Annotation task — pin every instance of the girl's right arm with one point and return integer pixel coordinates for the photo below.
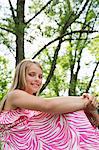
(21, 99)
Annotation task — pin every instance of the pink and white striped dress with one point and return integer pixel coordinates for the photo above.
(24, 129)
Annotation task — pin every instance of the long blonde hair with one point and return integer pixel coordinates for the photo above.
(19, 81)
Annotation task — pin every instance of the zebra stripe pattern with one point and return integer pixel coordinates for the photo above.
(24, 129)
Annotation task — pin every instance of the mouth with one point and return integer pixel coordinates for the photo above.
(35, 85)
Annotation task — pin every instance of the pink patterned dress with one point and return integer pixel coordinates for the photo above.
(23, 129)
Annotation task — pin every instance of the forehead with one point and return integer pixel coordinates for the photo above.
(34, 68)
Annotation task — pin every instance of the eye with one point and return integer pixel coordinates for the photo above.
(32, 74)
(40, 76)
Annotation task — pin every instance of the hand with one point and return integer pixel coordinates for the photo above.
(91, 110)
(93, 104)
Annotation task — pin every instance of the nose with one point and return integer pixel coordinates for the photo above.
(36, 77)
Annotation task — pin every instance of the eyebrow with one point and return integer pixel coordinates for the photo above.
(35, 72)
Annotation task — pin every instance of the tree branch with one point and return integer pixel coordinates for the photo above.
(60, 37)
(83, 27)
(67, 24)
(53, 66)
(12, 10)
(79, 55)
(8, 30)
(39, 12)
(90, 82)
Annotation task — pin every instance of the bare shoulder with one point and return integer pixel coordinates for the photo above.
(18, 98)
(16, 93)
(22, 99)
(11, 97)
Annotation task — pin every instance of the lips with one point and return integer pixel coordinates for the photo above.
(36, 85)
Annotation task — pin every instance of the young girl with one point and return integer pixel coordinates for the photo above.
(30, 122)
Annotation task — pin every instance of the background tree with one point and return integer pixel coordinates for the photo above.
(66, 29)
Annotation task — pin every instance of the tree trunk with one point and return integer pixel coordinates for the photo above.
(20, 26)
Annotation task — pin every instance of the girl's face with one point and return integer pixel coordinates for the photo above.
(33, 79)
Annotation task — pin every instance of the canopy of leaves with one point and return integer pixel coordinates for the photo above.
(58, 34)
(5, 77)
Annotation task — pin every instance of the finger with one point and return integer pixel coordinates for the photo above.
(85, 95)
(94, 102)
(97, 105)
(88, 96)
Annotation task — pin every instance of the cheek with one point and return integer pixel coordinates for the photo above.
(41, 81)
(29, 79)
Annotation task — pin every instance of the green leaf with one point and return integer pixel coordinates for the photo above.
(91, 15)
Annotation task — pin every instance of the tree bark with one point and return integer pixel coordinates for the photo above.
(20, 26)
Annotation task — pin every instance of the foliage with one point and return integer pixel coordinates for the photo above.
(60, 34)
(94, 47)
(5, 77)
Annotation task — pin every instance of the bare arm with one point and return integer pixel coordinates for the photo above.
(59, 105)
(67, 104)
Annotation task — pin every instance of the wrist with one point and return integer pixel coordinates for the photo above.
(85, 102)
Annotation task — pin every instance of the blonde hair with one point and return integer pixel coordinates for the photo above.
(19, 81)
